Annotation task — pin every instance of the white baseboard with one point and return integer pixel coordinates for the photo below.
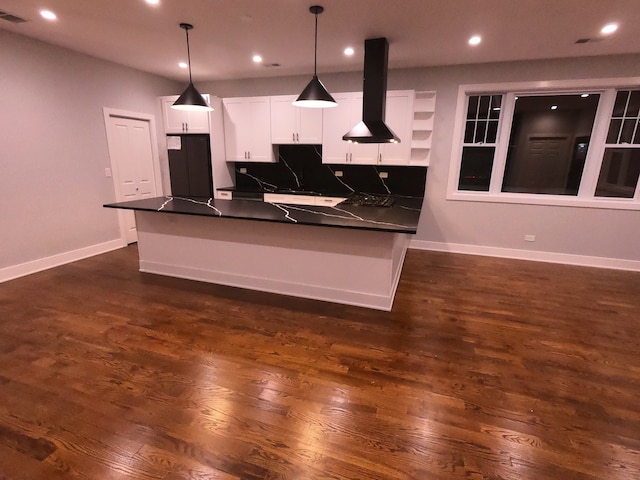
(34, 266)
(550, 257)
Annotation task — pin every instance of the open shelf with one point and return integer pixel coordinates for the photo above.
(424, 107)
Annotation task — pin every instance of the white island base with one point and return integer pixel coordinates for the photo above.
(342, 265)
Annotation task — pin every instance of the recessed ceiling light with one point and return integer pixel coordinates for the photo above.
(554, 107)
(183, 65)
(48, 14)
(609, 28)
(348, 51)
(152, 2)
(475, 40)
(257, 58)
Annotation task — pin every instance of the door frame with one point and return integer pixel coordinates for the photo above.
(115, 176)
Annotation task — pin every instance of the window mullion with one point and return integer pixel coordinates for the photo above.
(595, 154)
(502, 142)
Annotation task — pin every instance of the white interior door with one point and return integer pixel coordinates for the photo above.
(132, 162)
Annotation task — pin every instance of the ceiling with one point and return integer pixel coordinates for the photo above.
(227, 33)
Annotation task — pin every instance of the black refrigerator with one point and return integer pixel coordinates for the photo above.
(190, 165)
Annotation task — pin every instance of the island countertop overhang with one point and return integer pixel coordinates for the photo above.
(401, 217)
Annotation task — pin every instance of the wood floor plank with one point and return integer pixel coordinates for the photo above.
(486, 368)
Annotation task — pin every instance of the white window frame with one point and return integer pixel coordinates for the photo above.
(586, 194)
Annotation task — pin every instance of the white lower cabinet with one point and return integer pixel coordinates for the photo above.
(339, 120)
(247, 129)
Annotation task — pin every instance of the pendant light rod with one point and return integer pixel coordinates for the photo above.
(316, 10)
(187, 27)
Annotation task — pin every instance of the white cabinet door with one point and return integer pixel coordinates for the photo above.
(180, 121)
(259, 124)
(337, 121)
(360, 153)
(283, 120)
(247, 130)
(235, 115)
(309, 124)
(294, 125)
(198, 122)
(399, 118)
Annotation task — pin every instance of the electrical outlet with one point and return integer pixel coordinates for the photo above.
(384, 175)
(243, 170)
(529, 238)
(107, 172)
(338, 173)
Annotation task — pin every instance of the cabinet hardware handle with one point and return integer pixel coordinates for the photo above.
(298, 137)
(249, 153)
(346, 157)
(293, 137)
(351, 157)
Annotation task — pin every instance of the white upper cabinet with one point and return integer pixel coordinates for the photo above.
(247, 129)
(294, 125)
(180, 121)
(399, 118)
(339, 120)
(336, 122)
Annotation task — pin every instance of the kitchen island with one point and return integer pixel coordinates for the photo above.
(345, 253)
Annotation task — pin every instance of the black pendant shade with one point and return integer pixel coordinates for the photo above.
(315, 95)
(190, 98)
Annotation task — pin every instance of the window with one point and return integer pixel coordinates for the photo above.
(483, 112)
(621, 163)
(561, 146)
(548, 143)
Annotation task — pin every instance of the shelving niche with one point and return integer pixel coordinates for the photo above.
(424, 108)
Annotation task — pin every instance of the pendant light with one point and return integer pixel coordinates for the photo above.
(190, 99)
(315, 95)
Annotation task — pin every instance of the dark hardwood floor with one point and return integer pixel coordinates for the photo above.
(485, 369)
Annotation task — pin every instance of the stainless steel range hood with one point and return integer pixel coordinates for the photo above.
(372, 128)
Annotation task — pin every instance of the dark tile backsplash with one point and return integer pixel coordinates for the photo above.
(300, 168)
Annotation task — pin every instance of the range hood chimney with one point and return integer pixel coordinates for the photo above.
(372, 128)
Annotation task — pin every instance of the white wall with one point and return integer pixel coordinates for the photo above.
(54, 150)
(562, 233)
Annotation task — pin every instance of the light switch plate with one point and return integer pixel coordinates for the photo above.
(384, 175)
(107, 172)
(338, 173)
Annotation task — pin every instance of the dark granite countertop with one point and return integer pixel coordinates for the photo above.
(401, 217)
